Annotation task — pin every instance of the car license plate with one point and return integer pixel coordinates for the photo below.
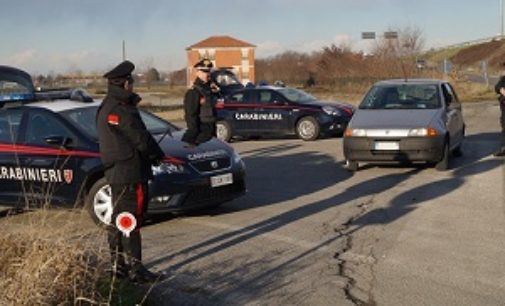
(221, 180)
(387, 145)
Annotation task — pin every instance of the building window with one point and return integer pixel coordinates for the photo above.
(207, 53)
(245, 53)
(245, 65)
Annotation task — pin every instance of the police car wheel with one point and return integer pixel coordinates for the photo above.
(99, 202)
(307, 129)
(223, 131)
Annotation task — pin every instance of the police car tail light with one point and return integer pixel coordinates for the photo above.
(355, 132)
(423, 132)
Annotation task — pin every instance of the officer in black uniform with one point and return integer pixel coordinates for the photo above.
(199, 102)
(500, 91)
(127, 151)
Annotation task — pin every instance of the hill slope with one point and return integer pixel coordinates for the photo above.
(493, 52)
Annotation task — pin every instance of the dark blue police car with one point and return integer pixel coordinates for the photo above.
(49, 154)
(271, 110)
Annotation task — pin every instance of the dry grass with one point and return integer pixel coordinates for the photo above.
(54, 258)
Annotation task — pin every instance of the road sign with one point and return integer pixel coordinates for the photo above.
(390, 35)
(367, 35)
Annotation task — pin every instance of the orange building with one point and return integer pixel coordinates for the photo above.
(223, 51)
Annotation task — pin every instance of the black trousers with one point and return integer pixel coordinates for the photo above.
(205, 132)
(126, 252)
(502, 121)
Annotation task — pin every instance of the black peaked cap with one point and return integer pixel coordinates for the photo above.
(123, 70)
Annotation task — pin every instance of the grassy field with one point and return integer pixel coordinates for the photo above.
(58, 257)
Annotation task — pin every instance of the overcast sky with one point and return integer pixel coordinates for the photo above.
(60, 36)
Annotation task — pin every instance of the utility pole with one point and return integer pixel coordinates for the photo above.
(124, 49)
(501, 17)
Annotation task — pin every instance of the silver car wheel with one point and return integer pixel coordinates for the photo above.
(102, 204)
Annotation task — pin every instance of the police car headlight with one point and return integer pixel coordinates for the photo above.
(236, 157)
(168, 168)
(332, 111)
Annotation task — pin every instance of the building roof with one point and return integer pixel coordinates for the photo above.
(220, 41)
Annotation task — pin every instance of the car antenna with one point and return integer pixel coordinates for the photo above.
(167, 132)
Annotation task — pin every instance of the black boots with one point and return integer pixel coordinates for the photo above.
(500, 152)
(142, 275)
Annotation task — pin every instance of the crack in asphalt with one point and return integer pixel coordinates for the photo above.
(345, 231)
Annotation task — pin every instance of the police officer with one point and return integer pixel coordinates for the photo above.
(199, 102)
(500, 91)
(127, 151)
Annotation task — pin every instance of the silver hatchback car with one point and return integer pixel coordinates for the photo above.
(417, 120)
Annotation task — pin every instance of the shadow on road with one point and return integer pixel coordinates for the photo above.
(274, 179)
(476, 147)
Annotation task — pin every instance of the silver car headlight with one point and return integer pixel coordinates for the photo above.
(168, 168)
(332, 111)
(355, 132)
(423, 132)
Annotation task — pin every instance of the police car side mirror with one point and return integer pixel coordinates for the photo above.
(59, 141)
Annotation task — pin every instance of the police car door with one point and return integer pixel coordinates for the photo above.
(242, 109)
(48, 163)
(273, 117)
(10, 188)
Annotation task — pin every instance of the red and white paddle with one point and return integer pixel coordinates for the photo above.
(126, 223)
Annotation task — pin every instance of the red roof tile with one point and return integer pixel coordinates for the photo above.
(220, 41)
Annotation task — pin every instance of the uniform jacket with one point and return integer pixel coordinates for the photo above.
(127, 149)
(199, 103)
(500, 84)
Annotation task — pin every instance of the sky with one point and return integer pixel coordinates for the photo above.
(63, 36)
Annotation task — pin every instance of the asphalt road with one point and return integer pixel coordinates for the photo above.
(310, 233)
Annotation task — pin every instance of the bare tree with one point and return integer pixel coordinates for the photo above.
(396, 56)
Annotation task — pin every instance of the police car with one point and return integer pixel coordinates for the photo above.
(49, 154)
(226, 80)
(272, 110)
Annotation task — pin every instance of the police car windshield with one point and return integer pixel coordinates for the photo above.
(84, 119)
(226, 78)
(297, 95)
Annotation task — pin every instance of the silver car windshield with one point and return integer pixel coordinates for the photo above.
(404, 96)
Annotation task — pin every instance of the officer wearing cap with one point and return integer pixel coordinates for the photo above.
(199, 101)
(500, 91)
(127, 151)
